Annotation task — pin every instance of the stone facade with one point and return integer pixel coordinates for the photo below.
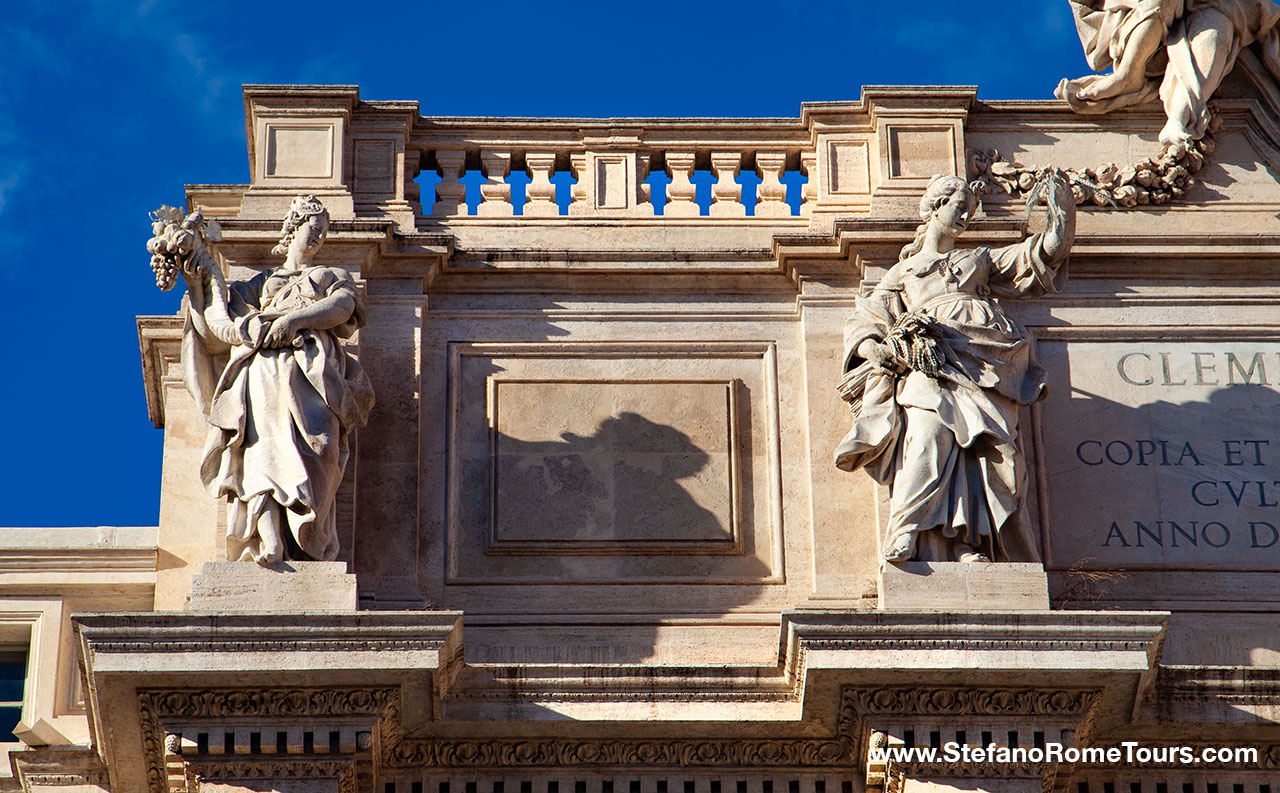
(591, 537)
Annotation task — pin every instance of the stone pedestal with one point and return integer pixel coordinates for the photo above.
(285, 586)
(963, 586)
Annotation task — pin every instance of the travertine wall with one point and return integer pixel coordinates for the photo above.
(609, 412)
(604, 438)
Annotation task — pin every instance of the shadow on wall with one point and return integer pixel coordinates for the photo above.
(619, 521)
(1165, 486)
(620, 485)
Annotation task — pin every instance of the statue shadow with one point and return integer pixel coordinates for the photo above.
(587, 509)
(619, 486)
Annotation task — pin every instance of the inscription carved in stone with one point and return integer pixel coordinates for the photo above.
(1164, 454)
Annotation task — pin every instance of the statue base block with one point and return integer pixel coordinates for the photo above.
(963, 586)
(281, 587)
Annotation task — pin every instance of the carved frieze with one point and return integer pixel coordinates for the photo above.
(966, 701)
(840, 750)
(344, 770)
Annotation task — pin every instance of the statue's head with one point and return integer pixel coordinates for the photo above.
(304, 229)
(948, 200)
(940, 190)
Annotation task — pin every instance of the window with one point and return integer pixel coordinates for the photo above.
(13, 675)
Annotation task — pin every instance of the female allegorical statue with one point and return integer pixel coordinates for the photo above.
(936, 374)
(263, 360)
(1178, 50)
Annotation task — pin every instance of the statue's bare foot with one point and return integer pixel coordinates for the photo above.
(1175, 133)
(973, 556)
(1109, 85)
(902, 550)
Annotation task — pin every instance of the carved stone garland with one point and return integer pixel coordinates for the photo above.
(1154, 180)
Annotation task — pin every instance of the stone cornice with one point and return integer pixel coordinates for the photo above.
(1236, 695)
(843, 749)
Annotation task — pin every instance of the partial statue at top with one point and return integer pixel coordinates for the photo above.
(936, 374)
(1177, 50)
(263, 359)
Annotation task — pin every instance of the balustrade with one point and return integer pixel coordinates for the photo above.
(540, 195)
(495, 193)
(681, 191)
(771, 195)
(726, 194)
(611, 172)
(451, 193)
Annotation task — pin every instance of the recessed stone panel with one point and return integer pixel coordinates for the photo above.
(1162, 455)
(588, 466)
(918, 153)
(296, 152)
(613, 462)
(611, 182)
(850, 168)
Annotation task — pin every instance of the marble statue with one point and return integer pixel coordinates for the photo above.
(936, 374)
(263, 359)
(1176, 50)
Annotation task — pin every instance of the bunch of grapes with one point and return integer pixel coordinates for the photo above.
(166, 272)
(163, 259)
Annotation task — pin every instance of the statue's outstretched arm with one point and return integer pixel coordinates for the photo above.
(1060, 231)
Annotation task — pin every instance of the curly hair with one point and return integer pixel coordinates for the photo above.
(301, 210)
(939, 190)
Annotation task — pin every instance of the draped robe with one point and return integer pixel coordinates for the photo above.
(1193, 65)
(947, 446)
(280, 417)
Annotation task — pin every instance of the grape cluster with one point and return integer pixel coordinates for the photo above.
(166, 270)
(170, 248)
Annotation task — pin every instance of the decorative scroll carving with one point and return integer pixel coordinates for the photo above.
(970, 701)
(682, 753)
(272, 703)
(64, 780)
(246, 770)
(153, 744)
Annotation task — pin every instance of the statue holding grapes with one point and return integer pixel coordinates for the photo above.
(264, 361)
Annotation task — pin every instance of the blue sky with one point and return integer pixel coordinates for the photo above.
(108, 108)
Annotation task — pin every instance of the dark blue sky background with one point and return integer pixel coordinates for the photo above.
(108, 108)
